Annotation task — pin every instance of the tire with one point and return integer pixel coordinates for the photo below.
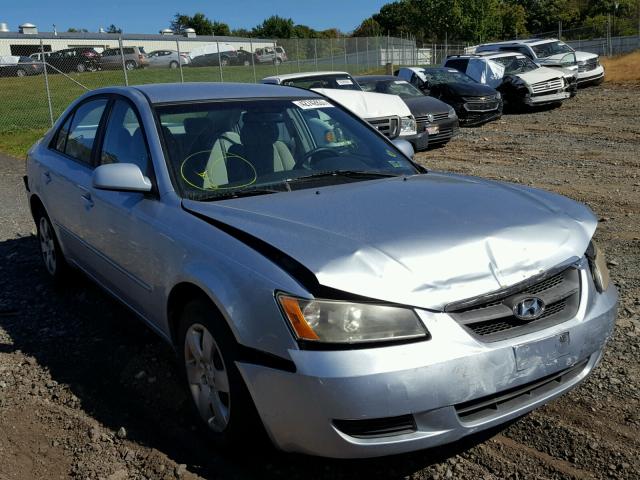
(50, 251)
(130, 65)
(246, 63)
(224, 61)
(277, 61)
(81, 67)
(217, 394)
(21, 72)
(173, 65)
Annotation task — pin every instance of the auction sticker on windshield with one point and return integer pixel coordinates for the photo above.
(344, 81)
(312, 103)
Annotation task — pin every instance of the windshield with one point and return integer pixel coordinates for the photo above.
(516, 64)
(392, 87)
(450, 75)
(223, 149)
(339, 82)
(551, 48)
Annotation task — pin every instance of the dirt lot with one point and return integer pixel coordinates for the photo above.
(88, 392)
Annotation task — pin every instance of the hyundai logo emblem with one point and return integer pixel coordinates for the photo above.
(528, 309)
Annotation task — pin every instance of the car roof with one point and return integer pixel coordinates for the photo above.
(526, 41)
(375, 78)
(290, 76)
(199, 91)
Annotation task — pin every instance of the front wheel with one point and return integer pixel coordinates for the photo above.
(21, 72)
(130, 65)
(81, 67)
(219, 396)
(173, 65)
(50, 250)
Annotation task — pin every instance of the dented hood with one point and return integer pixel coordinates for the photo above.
(425, 241)
(542, 74)
(367, 104)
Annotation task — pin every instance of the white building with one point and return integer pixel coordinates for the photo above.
(28, 40)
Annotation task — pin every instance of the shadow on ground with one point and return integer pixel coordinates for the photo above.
(91, 343)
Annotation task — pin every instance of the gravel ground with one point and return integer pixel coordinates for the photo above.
(86, 391)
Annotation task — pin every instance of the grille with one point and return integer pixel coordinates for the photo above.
(589, 65)
(436, 117)
(388, 126)
(507, 400)
(493, 320)
(548, 86)
(444, 135)
(478, 106)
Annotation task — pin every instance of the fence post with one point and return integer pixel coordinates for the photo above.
(331, 51)
(253, 61)
(315, 51)
(367, 46)
(124, 66)
(345, 52)
(179, 61)
(219, 61)
(275, 57)
(46, 82)
(357, 56)
(298, 52)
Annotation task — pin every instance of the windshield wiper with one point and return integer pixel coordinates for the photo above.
(343, 173)
(239, 193)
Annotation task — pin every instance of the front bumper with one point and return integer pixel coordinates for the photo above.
(547, 99)
(448, 129)
(591, 76)
(420, 141)
(431, 382)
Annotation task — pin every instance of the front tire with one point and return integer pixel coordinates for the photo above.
(52, 256)
(80, 68)
(173, 65)
(218, 395)
(21, 72)
(130, 65)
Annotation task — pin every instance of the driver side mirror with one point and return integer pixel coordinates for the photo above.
(122, 177)
(404, 146)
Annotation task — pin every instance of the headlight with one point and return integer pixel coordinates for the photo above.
(330, 321)
(408, 126)
(598, 265)
(452, 112)
(498, 95)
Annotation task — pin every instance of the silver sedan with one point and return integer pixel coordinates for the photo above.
(327, 289)
(166, 59)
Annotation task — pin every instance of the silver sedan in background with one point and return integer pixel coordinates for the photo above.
(328, 289)
(167, 59)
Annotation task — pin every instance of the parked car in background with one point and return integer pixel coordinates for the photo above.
(167, 59)
(14, 66)
(436, 118)
(520, 81)
(474, 103)
(243, 57)
(78, 59)
(551, 52)
(341, 298)
(130, 57)
(386, 113)
(208, 55)
(270, 55)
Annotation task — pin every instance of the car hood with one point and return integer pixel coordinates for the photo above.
(582, 56)
(367, 104)
(420, 106)
(425, 240)
(468, 89)
(541, 74)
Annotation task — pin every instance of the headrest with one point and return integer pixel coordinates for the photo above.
(259, 128)
(197, 125)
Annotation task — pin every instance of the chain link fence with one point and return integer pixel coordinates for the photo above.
(35, 89)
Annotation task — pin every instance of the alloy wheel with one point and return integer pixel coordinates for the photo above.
(47, 245)
(21, 73)
(207, 377)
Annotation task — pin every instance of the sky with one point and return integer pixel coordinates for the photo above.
(149, 16)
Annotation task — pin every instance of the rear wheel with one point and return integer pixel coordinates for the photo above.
(21, 72)
(81, 67)
(173, 64)
(50, 250)
(130, 64)
(218, 394)
(224, 61)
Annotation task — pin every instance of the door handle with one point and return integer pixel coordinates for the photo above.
(47, 177)
(87, 199)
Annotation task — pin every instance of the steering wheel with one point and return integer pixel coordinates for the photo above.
(314, 155)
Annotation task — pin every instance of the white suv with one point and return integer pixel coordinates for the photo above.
(552, 52)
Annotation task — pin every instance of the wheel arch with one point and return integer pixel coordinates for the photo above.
(36, 206)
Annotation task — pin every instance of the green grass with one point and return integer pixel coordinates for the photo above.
(24, 114)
